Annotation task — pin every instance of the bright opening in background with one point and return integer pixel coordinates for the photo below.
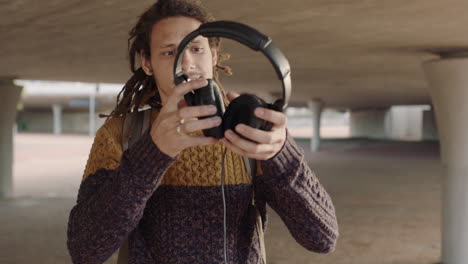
(333, 123)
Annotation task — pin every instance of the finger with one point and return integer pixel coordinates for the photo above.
(181, 104)
(246, 145)
(196, 125)
(232, 95)
(277, 118)
(260, 136)
(231, 147)
(171, 120)
(180, 90)
(186, 87)
(196, 111)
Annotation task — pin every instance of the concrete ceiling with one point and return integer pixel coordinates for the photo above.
(348, 53)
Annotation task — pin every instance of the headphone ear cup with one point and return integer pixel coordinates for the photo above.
(208, 95)
(241, 111)
(180, 78)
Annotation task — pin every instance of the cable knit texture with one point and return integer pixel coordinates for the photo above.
(170, 209)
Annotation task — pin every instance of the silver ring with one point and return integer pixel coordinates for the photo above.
(178, 129)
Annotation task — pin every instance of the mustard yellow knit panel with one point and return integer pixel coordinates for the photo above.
(201, 166)
(106, 151)
(196, 166)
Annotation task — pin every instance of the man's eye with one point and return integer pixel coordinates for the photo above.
(168, 53)
(197, 50)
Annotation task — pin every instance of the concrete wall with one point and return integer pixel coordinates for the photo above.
(405, 123)
(369, 123)
(42, 122)
(398, 123)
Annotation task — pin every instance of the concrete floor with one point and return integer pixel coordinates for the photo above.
(387, 196)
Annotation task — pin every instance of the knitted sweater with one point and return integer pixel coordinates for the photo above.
(171, 211)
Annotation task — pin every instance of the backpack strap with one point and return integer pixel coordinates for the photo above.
(251, 167)
(135, 125)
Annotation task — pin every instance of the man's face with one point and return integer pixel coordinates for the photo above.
(166, 35)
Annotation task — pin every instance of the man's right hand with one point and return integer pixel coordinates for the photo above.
(170, 129)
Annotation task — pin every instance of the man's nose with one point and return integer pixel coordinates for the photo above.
(187, 61)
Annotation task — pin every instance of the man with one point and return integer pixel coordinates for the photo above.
(163, 193)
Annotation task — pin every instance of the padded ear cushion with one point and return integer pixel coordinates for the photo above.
(208, 95)
(241, 110)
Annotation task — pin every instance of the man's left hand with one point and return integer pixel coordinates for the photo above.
(266, 143)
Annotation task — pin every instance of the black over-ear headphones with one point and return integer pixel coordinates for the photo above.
(241, 109)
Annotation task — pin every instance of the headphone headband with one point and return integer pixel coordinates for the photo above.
(248, 36)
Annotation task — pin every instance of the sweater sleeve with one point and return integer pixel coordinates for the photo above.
(291, 189)
(112, 198)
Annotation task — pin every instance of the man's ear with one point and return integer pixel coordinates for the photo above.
(146, 64)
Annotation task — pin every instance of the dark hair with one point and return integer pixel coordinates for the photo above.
(141, 89)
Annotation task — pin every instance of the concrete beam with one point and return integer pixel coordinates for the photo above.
(10, 97)
(448, 87)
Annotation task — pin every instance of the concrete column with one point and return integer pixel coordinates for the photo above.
(92, 110)
(316, 106)
(369, 123)
(10, 97)
(429, 130)
(448, 87)
(57, 112)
